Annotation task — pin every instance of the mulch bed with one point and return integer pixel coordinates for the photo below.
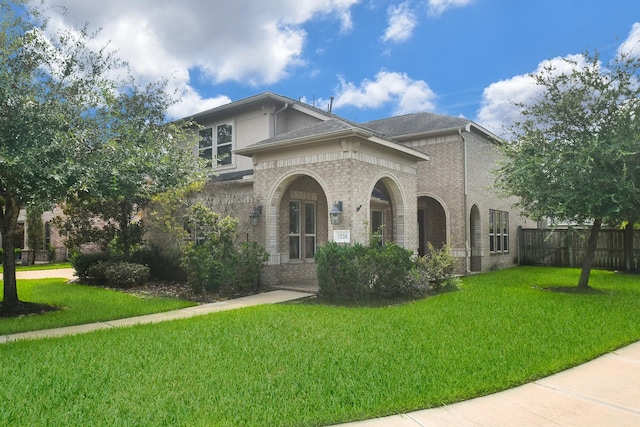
(178, 290)
(25, 309)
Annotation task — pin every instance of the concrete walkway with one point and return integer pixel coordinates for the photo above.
(273, 297)
(62, 273)
(603, 392)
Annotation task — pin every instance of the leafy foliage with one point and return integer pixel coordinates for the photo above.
(433, 272)
(359, 272)
(575, 156)
(212, 259)
(50, 86)
(83, 261)
(138, 156)
(117, 274)
(161, 266)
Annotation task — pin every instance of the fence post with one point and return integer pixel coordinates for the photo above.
(520, 244)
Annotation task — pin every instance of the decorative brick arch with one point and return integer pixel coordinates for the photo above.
(398, 206)
(273, 200)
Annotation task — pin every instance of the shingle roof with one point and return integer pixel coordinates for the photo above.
(320, 128)
(410, 124)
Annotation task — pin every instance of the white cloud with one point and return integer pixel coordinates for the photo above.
(631, 46)
(402, 21)
(438, 7)
(406, 94)
(500, 100)
(248, 41)
(192, 103)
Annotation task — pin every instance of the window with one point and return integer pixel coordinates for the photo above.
(217, 152)
(294, 230)
(298, 233)
(309, 230)
(377, 226)
(47, 236)
(498, 231)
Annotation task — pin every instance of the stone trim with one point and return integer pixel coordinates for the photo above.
(335, 156)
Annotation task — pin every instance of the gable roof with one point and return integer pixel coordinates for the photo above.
(250, 101)
(410, 126)
(332, 128)
(416, 123)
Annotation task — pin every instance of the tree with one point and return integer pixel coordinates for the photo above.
(575, 156)
(136, 156)
(48, 88)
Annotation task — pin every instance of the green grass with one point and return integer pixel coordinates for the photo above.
(80, 304)
(52, 266)
(300, 364)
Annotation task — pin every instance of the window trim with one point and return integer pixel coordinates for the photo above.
(214, 145)
(296, 234)
(300, 234)
(498, 231)
(313, 234)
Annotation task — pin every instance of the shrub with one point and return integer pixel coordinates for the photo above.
(433, 272)
(342, 271)
(391, 264)
(355, 272)
(118, 274)
(249, 259)
(161, 266)
(381, 272)
(126, 274)
(208, 257)
(83, 261)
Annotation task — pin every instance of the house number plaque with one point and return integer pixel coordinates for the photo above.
(342, 236)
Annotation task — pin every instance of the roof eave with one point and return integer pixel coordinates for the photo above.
(343, 133)
(248, 151)
(467, 128)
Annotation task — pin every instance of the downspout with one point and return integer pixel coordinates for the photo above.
(275, 118)
(467, 249)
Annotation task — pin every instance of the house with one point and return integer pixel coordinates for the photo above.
(298, 177)
(52, 249)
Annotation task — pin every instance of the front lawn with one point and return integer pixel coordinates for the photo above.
(301, 364)
(79, 304)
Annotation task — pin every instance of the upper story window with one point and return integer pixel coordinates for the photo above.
(216, 143)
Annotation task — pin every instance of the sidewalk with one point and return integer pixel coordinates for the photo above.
(273, 297)
(602, 392)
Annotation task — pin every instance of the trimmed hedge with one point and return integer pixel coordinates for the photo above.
(388, 271)
(98, 268)
(355, 272)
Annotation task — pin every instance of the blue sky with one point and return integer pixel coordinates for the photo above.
(377, 58)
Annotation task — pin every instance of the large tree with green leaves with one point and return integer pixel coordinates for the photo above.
(575, 155)
(137, 155)
(49, 87)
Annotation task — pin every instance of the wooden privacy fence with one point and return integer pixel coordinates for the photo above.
(567, 248)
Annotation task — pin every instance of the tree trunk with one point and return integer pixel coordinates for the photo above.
(628, 246)
(591, 252)
(8, 226)
(125, 231)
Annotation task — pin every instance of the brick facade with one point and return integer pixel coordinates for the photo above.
(428, 176)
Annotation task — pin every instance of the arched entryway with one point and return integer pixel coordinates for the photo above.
(303, 219)
(432, 224)
(475, 239)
